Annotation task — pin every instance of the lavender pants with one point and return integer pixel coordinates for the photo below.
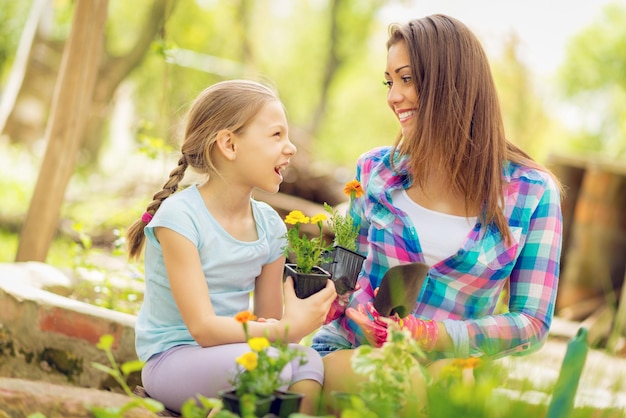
(184, 371)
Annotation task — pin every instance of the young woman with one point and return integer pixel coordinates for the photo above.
(211, 245)
(454, 194)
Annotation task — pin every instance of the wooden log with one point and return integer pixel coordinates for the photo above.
(595, 261)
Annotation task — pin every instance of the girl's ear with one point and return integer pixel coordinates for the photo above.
(226, 144)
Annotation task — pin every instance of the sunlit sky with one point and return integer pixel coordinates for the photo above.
(543, 26)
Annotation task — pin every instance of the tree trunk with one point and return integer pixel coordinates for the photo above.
(73, 94)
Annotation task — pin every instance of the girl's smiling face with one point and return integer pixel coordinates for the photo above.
(264, 148)
(402, 96)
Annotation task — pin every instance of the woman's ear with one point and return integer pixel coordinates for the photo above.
(226, 144)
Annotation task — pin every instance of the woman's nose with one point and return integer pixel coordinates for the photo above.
(394, 95)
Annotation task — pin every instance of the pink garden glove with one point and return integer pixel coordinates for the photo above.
(373, 325)
(424, 331)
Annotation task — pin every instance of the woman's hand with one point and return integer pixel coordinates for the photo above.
(373, 325)
(303, 316)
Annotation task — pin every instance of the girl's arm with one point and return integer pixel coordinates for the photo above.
(268, 291)
(190, 291)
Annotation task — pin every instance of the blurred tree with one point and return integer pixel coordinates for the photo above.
(71, 104)
(526, 120)
(26, 120)
(593, 77)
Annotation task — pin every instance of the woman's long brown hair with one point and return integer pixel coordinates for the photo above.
(459, 127)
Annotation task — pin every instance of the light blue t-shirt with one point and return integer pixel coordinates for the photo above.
(230, 267)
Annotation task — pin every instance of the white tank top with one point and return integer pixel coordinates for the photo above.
(440, 235)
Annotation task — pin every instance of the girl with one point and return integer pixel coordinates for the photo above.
(211, 245)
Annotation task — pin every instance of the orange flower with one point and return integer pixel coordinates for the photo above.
(353, 187)
(467, 363)
(245, 316)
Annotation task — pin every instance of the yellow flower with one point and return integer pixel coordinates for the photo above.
(296, 217)
(249, 361)
(306, 252)
(353, 187)
(318, 218)
(244, 316)
(258, 343)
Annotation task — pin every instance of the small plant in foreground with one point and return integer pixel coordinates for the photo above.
(388, 370)
(190, 409)
(120, 374)
(260, 372)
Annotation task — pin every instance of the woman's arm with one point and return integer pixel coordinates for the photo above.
(533, 285)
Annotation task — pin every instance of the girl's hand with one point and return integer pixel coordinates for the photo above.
(303, 316)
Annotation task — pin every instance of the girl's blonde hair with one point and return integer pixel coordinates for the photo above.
(458, 127)
(230, 105)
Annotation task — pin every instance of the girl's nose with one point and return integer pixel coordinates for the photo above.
(290, 149)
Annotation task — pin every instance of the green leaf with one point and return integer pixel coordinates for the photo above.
(106, 342)
(152, 405)
(132, 366)
(99, 412)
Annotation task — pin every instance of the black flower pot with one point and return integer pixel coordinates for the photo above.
(230, 402)
(286, 403)
(306, 284)
(344, 266)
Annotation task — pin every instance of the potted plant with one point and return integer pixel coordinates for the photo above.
(308, 253)
(344, 263)
(257, 385)
(388, 370)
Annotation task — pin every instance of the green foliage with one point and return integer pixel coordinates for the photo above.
(526, 118)
(344, 229)
(8, 246)
(190, 409)
(308, 252)
(104, 286)
(389, 370)
(149, 145)
(13, 15)
(260, 372)
(593, 77)
(120, 374)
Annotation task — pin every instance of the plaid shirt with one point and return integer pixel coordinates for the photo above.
(466, 286)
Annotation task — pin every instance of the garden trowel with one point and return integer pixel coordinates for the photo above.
(399, 289)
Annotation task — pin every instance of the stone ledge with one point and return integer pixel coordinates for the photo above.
(20, 398)
(44, 336)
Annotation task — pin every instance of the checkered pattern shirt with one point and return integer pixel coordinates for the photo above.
(466, 286)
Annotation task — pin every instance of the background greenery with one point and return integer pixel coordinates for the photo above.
(325, 58)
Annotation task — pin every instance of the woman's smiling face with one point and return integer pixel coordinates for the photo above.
(402, 96)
